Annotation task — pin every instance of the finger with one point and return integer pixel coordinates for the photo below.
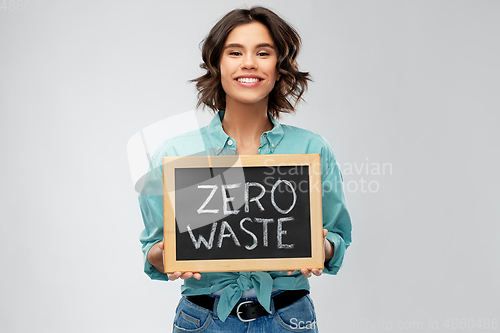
(325, 232)
(161, 246)
(174, 276)
(197, 276)
(290, 272)
(186, 275)
(317, 272)
(281, 271)
(306, 272)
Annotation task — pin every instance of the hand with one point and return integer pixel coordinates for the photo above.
(155, 258)
(183, 275)
(328, 253)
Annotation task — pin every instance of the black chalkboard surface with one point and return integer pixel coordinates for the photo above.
(236, 213)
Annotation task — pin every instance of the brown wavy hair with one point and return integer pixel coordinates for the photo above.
(287, 91)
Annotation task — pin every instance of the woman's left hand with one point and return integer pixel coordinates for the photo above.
(328, 248)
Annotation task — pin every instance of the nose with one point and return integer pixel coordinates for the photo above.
(248, 62)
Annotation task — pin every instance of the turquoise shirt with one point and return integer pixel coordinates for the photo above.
(212, 140)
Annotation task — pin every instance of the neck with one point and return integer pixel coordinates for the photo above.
(246, 122)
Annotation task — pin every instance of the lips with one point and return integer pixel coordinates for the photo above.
(248, 78)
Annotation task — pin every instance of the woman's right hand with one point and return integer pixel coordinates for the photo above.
(155, 258)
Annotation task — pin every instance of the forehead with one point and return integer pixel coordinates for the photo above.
(250, 34)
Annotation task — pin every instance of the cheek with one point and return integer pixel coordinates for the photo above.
(225, 80)
(272, 71)
(223, 77)
(222, 72)
(273, 74)
(225, 72)
(222, 68)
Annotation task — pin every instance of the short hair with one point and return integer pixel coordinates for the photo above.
(287, 91)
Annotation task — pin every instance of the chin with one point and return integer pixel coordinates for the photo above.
(250, 100)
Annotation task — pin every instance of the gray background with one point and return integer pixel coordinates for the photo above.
(410, 83)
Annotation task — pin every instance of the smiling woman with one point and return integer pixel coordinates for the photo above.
(250, 58)
(284, 41)
(248, 66)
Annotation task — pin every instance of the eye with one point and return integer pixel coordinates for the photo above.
(235, 53)
(263, 54)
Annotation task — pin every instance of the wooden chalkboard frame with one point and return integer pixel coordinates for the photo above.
(171, 263)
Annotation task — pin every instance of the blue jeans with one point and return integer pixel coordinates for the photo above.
(297, 317)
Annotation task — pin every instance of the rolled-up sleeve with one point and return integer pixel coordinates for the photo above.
(336, 218)
(151, 203)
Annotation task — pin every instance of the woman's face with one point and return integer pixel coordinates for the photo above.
(248, 65)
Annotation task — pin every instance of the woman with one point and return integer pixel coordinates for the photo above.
(251, 77)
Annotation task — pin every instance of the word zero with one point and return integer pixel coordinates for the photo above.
(227, 199)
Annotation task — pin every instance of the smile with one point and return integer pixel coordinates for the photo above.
(248, 80)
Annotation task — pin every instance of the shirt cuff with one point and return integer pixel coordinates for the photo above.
(333, 265)
(152, 272)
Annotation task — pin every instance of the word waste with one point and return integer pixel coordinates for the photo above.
(263, 213)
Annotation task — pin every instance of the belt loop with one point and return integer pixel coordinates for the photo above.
(272, 308)
(216, 304)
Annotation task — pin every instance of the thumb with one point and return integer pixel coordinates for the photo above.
(325, 232)
(160, 245)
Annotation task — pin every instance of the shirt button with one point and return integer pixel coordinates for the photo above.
(272, 145)
(230, 142)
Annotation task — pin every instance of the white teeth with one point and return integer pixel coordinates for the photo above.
(248, 80)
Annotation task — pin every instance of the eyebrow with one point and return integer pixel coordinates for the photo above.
(241, 46)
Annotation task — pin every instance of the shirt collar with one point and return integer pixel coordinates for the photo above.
(219, 138)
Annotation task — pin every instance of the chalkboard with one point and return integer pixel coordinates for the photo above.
(242, 213)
